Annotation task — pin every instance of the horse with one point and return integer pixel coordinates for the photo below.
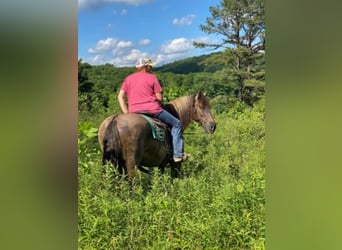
(126, 140)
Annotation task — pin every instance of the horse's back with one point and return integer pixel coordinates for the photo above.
(127, 124)
(135, 136)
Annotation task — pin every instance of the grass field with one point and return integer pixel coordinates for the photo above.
(218, 203)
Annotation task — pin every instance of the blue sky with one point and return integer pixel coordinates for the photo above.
(120, 31)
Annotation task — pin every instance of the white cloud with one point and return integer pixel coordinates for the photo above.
(133, 55)
(178, 45)
(122, 48)
(161, 59)
(128, 58)
(124, 44)
(184, 20)
(178, 49)
(144, 42)
(125, 53)
(103, 46)
(95, 4)
(123, 12)
(97, 60)
(119, 53)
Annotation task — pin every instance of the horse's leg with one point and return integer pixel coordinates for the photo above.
(130, 168)
(121, 167)
(161, 168)
(144, 170)
(175, 169)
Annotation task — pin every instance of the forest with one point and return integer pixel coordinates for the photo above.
(219, 200)
(98, 85)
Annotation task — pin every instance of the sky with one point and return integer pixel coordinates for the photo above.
(120, 31)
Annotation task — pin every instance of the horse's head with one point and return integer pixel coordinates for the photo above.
(202, 113)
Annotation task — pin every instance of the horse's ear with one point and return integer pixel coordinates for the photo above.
(198, 95)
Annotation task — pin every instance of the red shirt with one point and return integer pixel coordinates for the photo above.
(141, 89)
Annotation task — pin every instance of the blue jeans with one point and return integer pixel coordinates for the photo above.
(176, 131)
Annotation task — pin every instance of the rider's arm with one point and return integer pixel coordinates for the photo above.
(121, 98)
(159, 97)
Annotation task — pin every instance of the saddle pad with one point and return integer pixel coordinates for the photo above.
(158, 132)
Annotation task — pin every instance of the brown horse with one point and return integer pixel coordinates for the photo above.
(126, 139)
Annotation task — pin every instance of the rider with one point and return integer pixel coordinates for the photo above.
(144, 95)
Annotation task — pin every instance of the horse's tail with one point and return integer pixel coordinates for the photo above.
(111, 144)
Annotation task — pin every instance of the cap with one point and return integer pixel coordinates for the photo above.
(143, 62)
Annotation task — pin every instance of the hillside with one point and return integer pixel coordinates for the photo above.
(191, 65)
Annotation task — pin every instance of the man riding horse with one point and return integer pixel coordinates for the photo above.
(144, 95)
(126, 139)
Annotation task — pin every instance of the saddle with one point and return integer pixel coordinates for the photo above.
(158, 128)
(160, 132)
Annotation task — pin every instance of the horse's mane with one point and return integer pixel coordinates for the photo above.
(182, 108)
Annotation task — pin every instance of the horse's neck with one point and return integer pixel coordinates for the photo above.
(184, 109)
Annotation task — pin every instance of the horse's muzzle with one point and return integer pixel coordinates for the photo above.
(210, 128)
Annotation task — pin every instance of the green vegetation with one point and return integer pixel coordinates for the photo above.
(241, 24)
(219, 201)
(98, 84)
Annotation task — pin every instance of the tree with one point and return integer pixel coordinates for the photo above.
(241, 23)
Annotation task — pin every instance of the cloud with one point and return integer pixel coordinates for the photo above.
(124, 44)
(184, 20)
(118, 58)
(125, 53)
(128, 58)
(97, 60)
(96, 4)
(179, 48)
(117, 52)
(103, 46)
(110, 44)
(178, 45)
(144, 42)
